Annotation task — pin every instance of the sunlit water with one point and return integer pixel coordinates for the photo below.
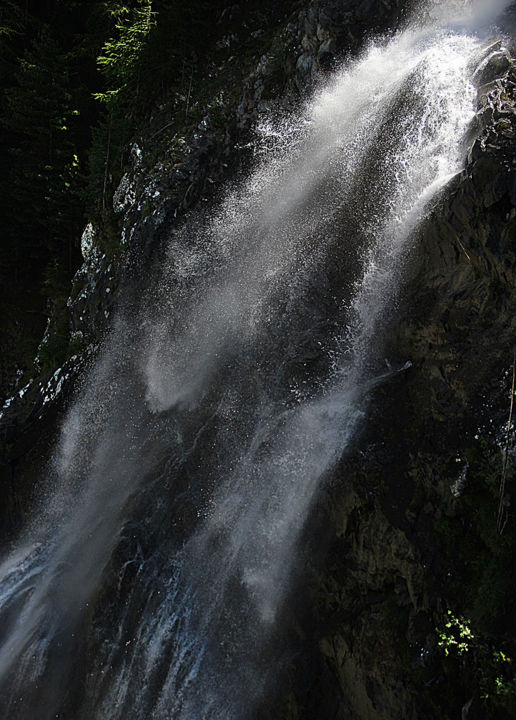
(150, 583)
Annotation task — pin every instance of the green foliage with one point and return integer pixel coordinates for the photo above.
(455, 636)
(477, 639)
(120, 62)
(154, 49)
(11, 21)
(44, 174)
(40, 186)
(80, 81)
(492, 666)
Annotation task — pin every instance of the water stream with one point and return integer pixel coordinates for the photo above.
(150, 583)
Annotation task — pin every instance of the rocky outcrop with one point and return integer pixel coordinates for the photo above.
(329, 28)
(313, 42)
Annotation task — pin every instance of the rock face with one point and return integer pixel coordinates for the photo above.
(410, 529)
(421, 541)
(330, 27)
(313, 42)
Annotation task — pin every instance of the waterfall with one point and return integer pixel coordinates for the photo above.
(151, 580)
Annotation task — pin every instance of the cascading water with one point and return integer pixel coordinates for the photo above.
(186, 470)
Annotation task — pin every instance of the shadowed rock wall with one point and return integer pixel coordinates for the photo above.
(415, 601)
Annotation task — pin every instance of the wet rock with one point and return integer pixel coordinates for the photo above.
(328, 28)
(124, 196)
(89, 248)
(495, 65)
(326, 52)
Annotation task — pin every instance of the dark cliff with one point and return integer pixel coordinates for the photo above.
(416, 600)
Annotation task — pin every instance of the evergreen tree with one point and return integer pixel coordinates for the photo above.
(44, 174)
(122, 66)
(11, 20)
(41, 205)
(77, 80)
(121, 61)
